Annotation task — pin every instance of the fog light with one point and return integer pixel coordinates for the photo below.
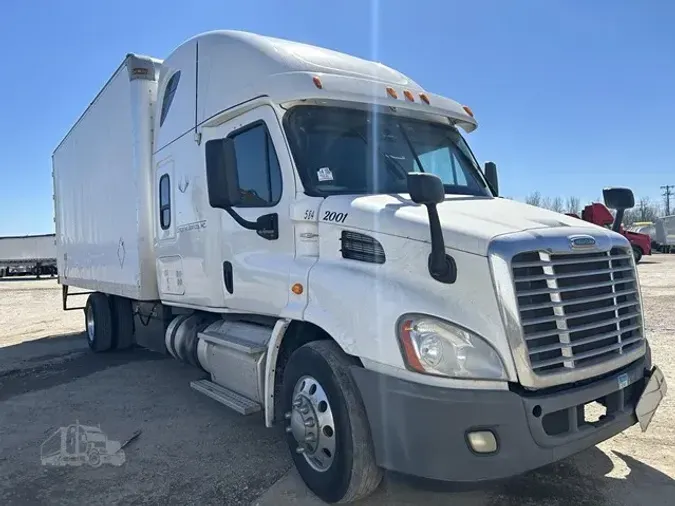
(482, 441)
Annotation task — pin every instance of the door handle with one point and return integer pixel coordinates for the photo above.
(228, 276)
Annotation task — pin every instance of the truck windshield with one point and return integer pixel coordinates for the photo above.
(348, 151)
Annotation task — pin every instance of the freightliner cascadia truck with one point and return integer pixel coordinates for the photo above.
(312, 230)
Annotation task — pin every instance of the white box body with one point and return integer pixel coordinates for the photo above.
(103, 189)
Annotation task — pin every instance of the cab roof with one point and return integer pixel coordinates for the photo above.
(234, 67)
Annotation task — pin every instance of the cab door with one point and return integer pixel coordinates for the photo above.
(255, 267)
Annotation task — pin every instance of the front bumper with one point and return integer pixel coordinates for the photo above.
(422, 430)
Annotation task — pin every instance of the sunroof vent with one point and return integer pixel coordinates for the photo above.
(362, 248)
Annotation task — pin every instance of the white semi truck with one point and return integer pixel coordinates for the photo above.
(312, 230)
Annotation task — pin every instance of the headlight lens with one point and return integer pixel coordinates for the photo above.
(434, 346)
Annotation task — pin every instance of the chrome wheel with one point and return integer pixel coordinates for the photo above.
(90, 323)
(312, 424)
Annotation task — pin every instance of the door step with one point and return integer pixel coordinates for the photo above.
(233, 400)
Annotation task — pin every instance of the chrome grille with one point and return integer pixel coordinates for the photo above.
(577, 309)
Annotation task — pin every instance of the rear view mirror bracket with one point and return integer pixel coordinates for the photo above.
(428, 190)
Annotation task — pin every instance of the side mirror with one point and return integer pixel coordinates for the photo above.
(618, 199)
(425, 188)
(428, 189)
(222, 179)
(491, 176)
(222, 182)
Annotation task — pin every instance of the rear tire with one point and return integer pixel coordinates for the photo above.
(350, 472)
(98, 322)
(123, 323)
(637, 254)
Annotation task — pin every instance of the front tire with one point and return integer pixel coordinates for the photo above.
(328, 432)
(637, 254)
(98, 322)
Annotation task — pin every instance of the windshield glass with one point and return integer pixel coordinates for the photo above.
(348, 151)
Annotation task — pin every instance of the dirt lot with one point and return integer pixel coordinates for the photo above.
(195, 451)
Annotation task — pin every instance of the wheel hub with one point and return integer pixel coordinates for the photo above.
(312, 424)
(90, 324)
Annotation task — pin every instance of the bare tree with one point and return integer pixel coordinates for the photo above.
(534, 199)
(630, 217)
(647, 210)
(573, 205)
(557, 205)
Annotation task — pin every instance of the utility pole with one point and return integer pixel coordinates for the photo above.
(667, 193)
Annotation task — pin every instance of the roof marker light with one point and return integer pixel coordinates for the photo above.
(317, 82)
(468, 110)
(425, 98)
(409, 96)
(392, 92)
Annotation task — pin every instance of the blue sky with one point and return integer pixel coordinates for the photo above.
(570, 95)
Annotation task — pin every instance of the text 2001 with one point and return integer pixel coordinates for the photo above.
(336, 217)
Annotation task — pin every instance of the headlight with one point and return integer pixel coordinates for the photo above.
(433, 346)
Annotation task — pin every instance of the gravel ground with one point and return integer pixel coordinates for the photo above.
(195, 451)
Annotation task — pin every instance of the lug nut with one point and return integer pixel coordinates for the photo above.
(287, 416)
(310, 438)
(309, 423)
(304, 410)
(297, 404)
(299, 449)
(288, 430)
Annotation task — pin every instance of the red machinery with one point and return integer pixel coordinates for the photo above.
(599, 214)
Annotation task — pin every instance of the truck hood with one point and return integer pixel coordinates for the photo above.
(469, 223)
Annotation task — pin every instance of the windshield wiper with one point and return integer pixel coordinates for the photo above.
(410, 146)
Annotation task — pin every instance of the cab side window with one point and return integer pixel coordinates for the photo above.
(257, 165)
(169, 93)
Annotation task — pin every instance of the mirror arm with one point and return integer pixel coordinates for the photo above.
(617, 221)
(266, 226)
(248, 225)
(442, 267)
(437, 256)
